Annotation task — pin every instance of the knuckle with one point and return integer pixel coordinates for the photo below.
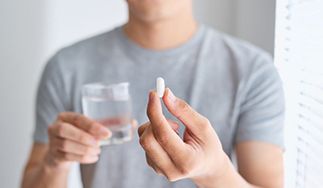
(91, 127)
(70, 132)
(50, 129)
(185, 170)
(142, 128)
(141, 141)
(77, 119)
(183, 105)
(66, 156)
(144, 142)
(149, 162)
(156, 169)
(61, 116)
(163, 139)
(63, 145)
(60, 129)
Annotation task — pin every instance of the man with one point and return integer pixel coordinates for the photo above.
(231, 99)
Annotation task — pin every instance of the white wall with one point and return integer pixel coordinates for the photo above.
(252, 20)
(221, 14)
(31, 31)
(255, 22)
(21, 52)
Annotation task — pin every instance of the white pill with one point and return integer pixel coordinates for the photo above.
(160, 86)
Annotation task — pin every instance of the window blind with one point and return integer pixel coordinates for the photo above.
(299, 58)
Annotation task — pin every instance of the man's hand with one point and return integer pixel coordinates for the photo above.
(74, 137)
(198, 156)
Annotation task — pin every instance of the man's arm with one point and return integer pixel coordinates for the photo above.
(38, 173)
(261, 163)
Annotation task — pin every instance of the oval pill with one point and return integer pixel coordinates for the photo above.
(160, 86)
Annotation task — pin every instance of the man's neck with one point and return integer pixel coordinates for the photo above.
(163, 34)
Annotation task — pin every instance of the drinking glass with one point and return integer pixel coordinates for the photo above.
(110, 105)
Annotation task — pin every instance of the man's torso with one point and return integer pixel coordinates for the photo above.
(208, 72)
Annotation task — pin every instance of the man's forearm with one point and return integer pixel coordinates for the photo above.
(45, 176)
(229, 178)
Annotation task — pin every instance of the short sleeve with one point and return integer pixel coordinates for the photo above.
(50, 99)
(261, 116)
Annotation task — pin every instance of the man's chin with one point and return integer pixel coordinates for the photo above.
(151, 16)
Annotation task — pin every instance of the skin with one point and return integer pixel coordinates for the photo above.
(199, 156)
(72, 138)
(160, 24)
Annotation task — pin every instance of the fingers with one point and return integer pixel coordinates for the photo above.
(173, 124)
(70, 143)
(73, 147)
(68, 131)
(194, 121)
(80, 121)
(151, 164)
(157, 158)
(84, 159)
(166, 152)
(162, 130)
(142, 128)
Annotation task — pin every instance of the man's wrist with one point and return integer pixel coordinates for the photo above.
(50, 164)
(228, 177)
(215, 177)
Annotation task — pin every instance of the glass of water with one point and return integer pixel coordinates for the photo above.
(109, 105)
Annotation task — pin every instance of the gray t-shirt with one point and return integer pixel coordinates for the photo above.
(234, 84)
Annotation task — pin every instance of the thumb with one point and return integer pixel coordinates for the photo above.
(191, 119)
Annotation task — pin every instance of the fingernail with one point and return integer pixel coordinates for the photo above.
(171, 96)
(151, 95)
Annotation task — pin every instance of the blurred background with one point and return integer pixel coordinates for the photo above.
(32, 31)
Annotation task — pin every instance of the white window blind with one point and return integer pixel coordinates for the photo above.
(299, 58)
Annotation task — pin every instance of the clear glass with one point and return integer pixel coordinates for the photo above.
(110, 105)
